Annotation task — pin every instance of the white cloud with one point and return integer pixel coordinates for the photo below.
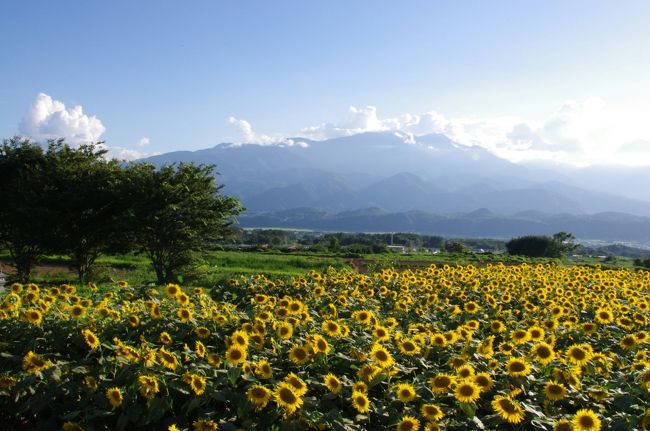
(250, 137)
(47, 119)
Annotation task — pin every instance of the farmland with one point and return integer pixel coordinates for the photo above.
(444, 347)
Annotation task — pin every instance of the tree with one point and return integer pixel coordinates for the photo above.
(177, 211)
(542, 246)
(455, 247)
(25, 218)
(85, 196)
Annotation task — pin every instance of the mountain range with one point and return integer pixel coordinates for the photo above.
(422, 184)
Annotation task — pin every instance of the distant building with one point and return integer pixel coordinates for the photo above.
(396, 248)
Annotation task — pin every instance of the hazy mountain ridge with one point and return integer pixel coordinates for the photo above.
(392, 172)
(480, 223)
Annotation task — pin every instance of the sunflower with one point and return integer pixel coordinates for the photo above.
(165, 338)
(33, 316)
(263, 369)
(360, 387)
(563, 425)
(91, 383)
(604, 316)
(168, 359)
(78, 311)
(543, 353)
(508, 409)
(408, 346)
(483, 381)
(628, 342)
(172, 290)
(299, 354)
(554, 391)
(360, 402)
(471, 307)
(441, 383)
(259, 396)
(645, 380)
(520, 336)
(32, 363)
(432, 412)
(333, 383)
(91, 339)
(381, 356)
(579, 354)
(240, 338)
(72, 426)
(285, 396)
(202, 332)
(586, 420)
(148, 386)
(133, 319)
(439, 340)
(320, 345)
(405, 392)
(204, 425)
(408, 423)
(517, 367)
(114, 396)
(185, 314)
(197, 384)
(235, 354)
(381, 333)
(467, 392)
(536, 333)
(465, 372)
(331, 328)
(299, 386)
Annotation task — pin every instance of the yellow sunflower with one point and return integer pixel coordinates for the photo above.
(441, 383)
(299, 386)
(235, 354)
(432, 412)
(586, 420)
(148, 386)
(408, 423)
(263, 369)
(508, 409)
(554, 391)
(114, 396)
(467, 392)
(381, 356)
(333, 383)
(543, 353)
(360, 402)
(285, 396)
(259, 396)
(517, 367)
(299, 354)
(91, 339)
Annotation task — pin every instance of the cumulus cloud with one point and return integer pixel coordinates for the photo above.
(251, 137)
(47, 119)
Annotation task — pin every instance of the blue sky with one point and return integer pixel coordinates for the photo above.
(175, 72)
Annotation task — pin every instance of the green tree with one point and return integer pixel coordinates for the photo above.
(85, 196)
(453, 246)
(177, 212)
(542, 246)
(25, 218)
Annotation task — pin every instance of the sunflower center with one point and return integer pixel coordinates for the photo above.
(578, 354)
(517, 367)
(586, 422)
(466, 390)
(287, 396)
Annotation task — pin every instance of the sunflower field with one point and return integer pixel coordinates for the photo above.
(525, 347)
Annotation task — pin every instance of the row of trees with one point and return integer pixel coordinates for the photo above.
(75, 201)
(556, 246)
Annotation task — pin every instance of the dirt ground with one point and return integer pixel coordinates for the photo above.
(50, 268)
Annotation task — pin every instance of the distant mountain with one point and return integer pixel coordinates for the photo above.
(480, 223)
(411, 178)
